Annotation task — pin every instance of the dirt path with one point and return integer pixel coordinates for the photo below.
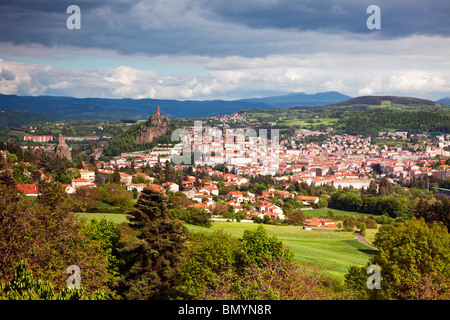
(358, 236)
(363, 240)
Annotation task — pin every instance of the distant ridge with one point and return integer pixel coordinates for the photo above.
(61, 108)
(20, 117)
(444, 101)
(295, 99)
(377, 100)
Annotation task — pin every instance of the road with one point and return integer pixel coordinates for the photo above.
(363, 240)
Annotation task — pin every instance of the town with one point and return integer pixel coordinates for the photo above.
(228, 160)
(315, 196)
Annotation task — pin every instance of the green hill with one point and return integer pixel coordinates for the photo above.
(10, 118)
(363, 115)
(381, 100)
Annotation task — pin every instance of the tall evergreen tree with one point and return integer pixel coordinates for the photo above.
(386, 188)
(372, 188)
(154, 263)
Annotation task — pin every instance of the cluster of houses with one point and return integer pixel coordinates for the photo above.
(338, 160)
(204, 197)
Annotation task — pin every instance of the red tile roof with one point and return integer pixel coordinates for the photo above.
(28, 188)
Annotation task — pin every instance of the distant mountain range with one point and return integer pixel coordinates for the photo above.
(62, 108)
(444, 101)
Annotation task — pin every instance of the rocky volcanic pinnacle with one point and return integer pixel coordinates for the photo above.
(62, 150)
(156, 126)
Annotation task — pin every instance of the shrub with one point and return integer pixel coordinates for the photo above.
(193, 216)
(371, 223)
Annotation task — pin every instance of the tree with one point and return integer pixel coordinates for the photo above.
(23, 286)
(7, 179)
(350, 222)
(168, 171)
(220, 208)
(263, 268)
(386, 188)
(413, 257)
(193, 216)
(258, 248)
(138, 179)
(154, 263)
(115, 177)
(73, 173)
(296, 217)
(323, 202)
(50, 237)
(107, 233)
(362, 228)
(86, 197)
(207, 256)
(371, 223)
(372, 190)
(36, 176)
(436, 210)
(119, 196)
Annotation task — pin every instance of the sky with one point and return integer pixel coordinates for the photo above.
(216, 49)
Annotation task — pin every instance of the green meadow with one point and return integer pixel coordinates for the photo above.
(115, 217)
(308, 122)
(315, 213)
(333, 251)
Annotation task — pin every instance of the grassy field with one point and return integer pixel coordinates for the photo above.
(302, 123)
(117, 218)
(315, 213)
(334, 252)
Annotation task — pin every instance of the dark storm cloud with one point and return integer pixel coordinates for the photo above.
(212, 27)
(400, 17)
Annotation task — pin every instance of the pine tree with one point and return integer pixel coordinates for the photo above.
(386, 188)
(116, 175)
(372, 188)
(154, 267)
(7, 179)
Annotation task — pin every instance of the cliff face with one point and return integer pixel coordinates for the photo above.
(62, 150)
(155, 127)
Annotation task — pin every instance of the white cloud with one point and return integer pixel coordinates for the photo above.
(355, 66)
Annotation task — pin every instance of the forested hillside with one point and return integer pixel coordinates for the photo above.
(370, 122)
(10, 118)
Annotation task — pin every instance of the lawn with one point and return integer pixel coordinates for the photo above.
(115, 217)
(315, 213)
(303, 123)
(334, 252)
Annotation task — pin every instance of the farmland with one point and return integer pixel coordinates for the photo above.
(333, 251)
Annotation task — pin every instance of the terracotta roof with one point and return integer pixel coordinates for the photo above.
(28, 188)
